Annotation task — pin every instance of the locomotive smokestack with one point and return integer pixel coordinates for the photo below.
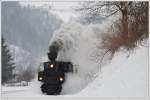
(54, 49)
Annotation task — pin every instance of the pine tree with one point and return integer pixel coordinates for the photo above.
(7, 64)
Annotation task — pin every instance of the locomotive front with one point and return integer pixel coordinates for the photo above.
(53, 74)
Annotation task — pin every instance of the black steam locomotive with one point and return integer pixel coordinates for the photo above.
(53, 75)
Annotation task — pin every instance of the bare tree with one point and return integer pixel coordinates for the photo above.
(131, 27)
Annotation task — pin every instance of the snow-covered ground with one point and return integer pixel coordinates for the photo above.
(123, 77)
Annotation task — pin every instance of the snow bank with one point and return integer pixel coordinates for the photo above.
(124, 77)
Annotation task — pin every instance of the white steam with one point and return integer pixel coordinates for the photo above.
(79, 46)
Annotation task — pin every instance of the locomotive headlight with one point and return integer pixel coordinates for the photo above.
(61, 79)
(40, 78)
(51, 65)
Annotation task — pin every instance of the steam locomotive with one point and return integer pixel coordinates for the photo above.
(53, 74)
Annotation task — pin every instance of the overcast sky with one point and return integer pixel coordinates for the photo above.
(63, 9)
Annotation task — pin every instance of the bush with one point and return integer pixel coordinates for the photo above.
(137, 32)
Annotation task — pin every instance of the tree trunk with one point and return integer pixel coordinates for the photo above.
(125, 22)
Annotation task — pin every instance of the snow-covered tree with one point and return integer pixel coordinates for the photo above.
(25, 74)
(90, 19)
(7, 64)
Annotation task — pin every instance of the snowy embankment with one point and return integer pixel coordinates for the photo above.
(123, 77)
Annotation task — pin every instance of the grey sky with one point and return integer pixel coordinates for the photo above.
(63, 9)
